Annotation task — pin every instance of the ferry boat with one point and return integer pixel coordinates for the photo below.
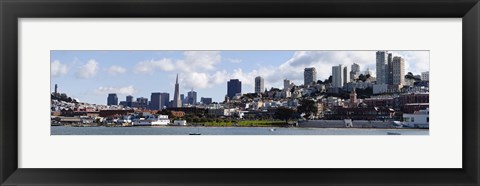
(152, 121)
(419, 119)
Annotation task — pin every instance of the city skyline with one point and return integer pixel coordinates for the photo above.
(140, 73)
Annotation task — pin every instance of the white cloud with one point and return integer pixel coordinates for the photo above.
(193, 61)
(88, 70)
(115, 70)
(234, 60)
(201, 80)
(58, 69)
(127, 90)
(148, 67)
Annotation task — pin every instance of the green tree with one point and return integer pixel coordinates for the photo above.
(283, 113)
(307, 106)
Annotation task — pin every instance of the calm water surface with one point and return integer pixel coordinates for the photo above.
(62, 130)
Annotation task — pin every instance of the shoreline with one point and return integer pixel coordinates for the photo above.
(279, 127)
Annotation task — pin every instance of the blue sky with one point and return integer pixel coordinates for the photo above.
(90, 75)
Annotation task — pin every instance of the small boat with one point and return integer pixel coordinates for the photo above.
(393, 133)
(271, 130)
(194, 134)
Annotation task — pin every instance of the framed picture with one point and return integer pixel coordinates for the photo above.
(229, 92)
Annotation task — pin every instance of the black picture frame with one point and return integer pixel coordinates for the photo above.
(12, 10)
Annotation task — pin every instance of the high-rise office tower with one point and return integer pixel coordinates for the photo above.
(112, 99)
(156, 101)
(259, 85)
(192, 97)
(309, 76)
(398, 66)
(234, 86)
(382, 67)
(355, 71)
(176, 97)
(346, 75)
(337, 76)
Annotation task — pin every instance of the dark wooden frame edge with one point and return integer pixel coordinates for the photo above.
(12, 10)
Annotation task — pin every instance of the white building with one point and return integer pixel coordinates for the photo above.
(419, 119)
(309, 76)
(337, 76)
(180, 122)
(346, 75)
(425, 76)
(259, 85)
(398, 67)
(287, 84)
(355, 71)
(382, 67)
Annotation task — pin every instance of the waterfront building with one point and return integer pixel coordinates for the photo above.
(192, 97)
(355, 72)
(156, 101)
(398, 66)
(346, 75)
(259, 84)
(309, 76)
(337, 76)
(56, 87)
(360, 113)
(176, 97)
(112, 99)
(129, 100)
(234, 86)
(418, 119)
(425, 76)
(382, 67)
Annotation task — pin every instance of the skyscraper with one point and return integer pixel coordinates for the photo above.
(176, 97)
(165, 100)
(129, 100)
(259, 85)
(182, 98)
(234, 86)
(389, 71)
(337, 76)
(346, 75)
(398, 66)
(112, 99)
(192, 97)
(287, 84)
(142, 102)
(382, 67)
(355, 71)
(156, 101)
(309, 76)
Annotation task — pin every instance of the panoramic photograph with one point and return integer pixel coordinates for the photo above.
(239, 92)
